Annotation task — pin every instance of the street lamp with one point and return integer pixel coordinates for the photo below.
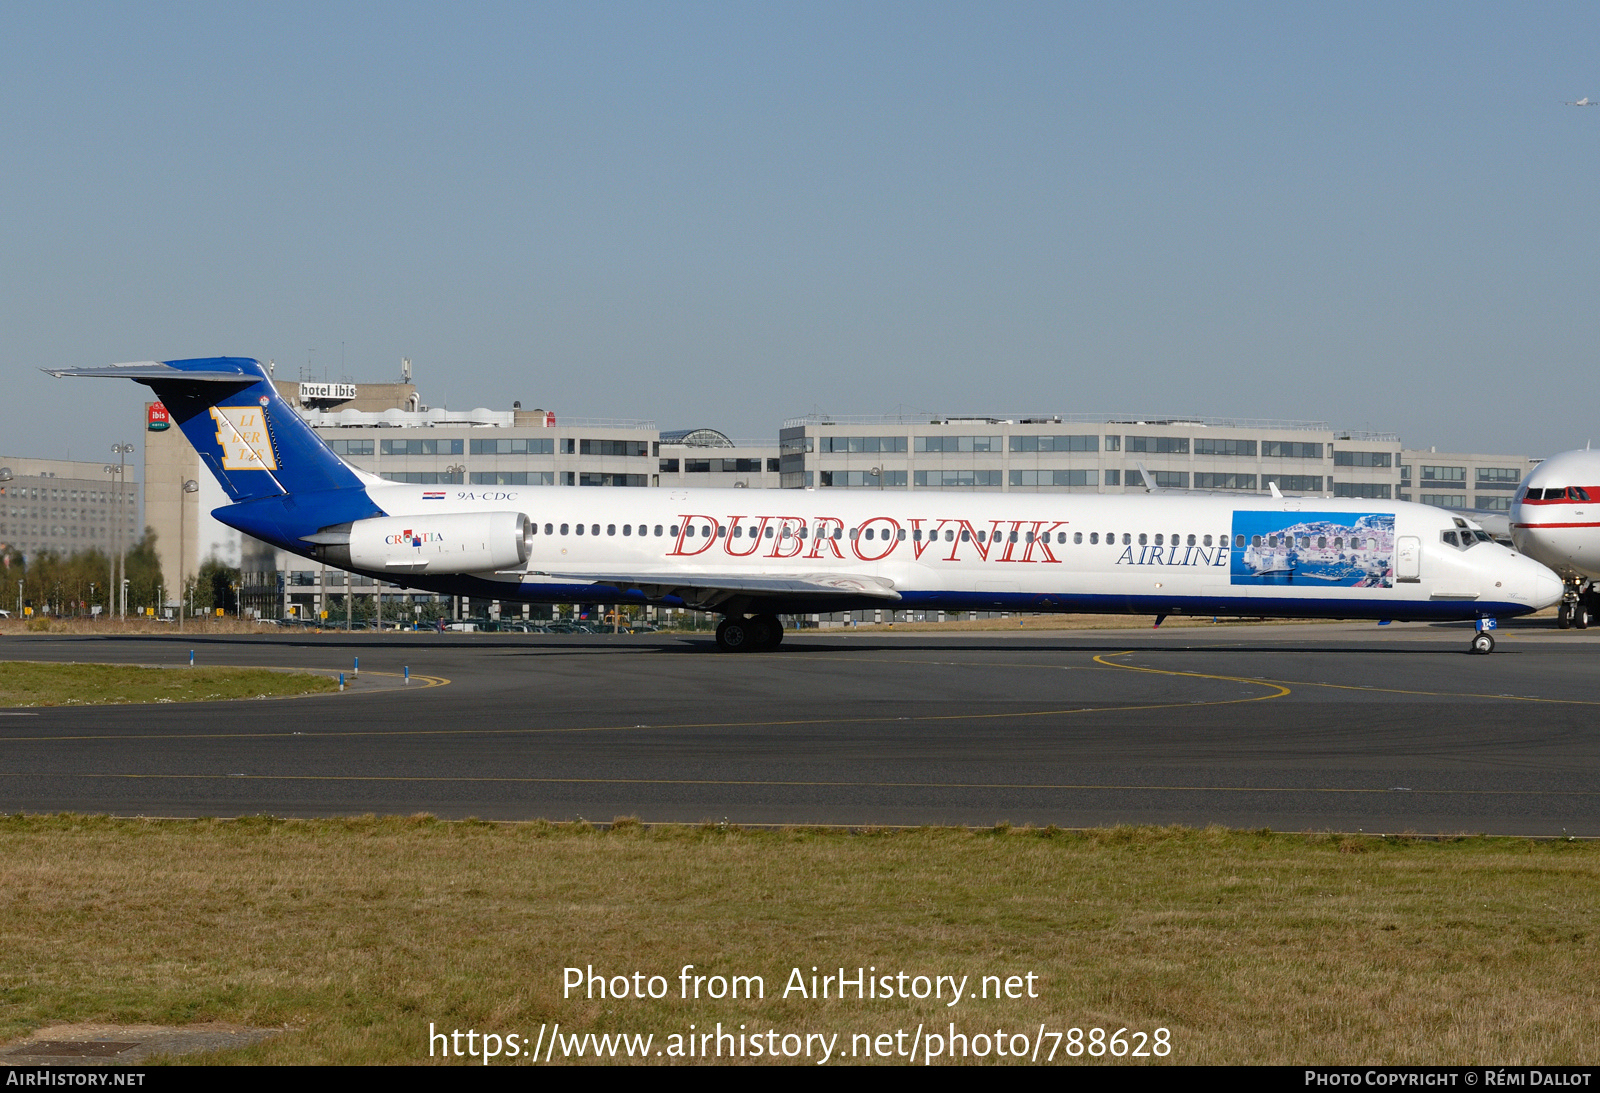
(189, 486)
(121, 451)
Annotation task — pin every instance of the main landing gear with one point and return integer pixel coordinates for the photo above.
(756, 634)
(1579, 607)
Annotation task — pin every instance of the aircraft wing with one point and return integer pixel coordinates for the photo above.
(711, 590)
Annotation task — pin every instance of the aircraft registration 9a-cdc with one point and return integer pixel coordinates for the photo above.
(752, 556)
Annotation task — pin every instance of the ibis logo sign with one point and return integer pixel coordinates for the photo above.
(244, 438)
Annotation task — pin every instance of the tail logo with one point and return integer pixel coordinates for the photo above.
(244, 438)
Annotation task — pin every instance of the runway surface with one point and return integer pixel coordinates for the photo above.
(1293, 727)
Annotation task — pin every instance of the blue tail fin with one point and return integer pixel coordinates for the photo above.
(250, 438)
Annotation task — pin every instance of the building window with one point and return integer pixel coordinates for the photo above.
(958, 444)
(858, 479)
(515, 446)
(1171, 480)
(631, 448)
(1055, 443)
(1206, 445)
(1498, 478)
(1444, 478)
(588, 478)
(1055, 478)
(943, 479)
(1363, 459)
(1206, 481)
(423, 478)
(351, 447)
(1299, 483)
(1361, 489)
(513, 478)
(1444, 500)
(1290, 449)
(420, 447)
(1159, 445)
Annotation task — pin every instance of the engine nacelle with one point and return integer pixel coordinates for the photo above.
(462, 542)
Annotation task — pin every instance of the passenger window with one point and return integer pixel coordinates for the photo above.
(1127, 538)
(1191, 540)
(1322, 542)
(1158, 539)
(721, 531)
(580, 529)
(769, 533)
(563, 529)
(1077, 537)
(1143, 539)
(870, 533)
(916, 536)
(1208, 540)
(900, 535)
(674, 530)
(949, 536)
(611, 529)
(838, 533)
(1094, 538)
(1061, 536)
(966, 536)
(1255, 540)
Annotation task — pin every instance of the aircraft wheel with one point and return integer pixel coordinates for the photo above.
(1580, 615)
(1483, 642)
(773, 635)
(1564, 616)
(734, 635)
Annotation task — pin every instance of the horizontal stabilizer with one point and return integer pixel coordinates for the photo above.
(156, 370)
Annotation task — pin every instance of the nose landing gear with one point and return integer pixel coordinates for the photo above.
(1483, 642)
(759, 633)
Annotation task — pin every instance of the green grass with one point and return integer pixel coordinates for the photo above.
(27, 683)
(1248, 947)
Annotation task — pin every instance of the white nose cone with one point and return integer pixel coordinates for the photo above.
(1547, 589)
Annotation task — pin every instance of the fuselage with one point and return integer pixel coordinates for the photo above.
(1141, 553)
(1555, 517)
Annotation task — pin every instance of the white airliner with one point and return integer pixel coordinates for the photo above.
(1555, 518)
(753, 555)
(1582, 102)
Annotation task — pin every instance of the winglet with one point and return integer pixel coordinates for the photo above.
(1149, 483)
(1273, 486)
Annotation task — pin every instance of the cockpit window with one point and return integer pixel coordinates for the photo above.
(1450, 537)
(1578, 493)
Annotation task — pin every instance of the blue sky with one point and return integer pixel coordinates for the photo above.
(1376, 215)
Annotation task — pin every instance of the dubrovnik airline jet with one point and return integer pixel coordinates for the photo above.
(1555, 518)
(752, 555)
